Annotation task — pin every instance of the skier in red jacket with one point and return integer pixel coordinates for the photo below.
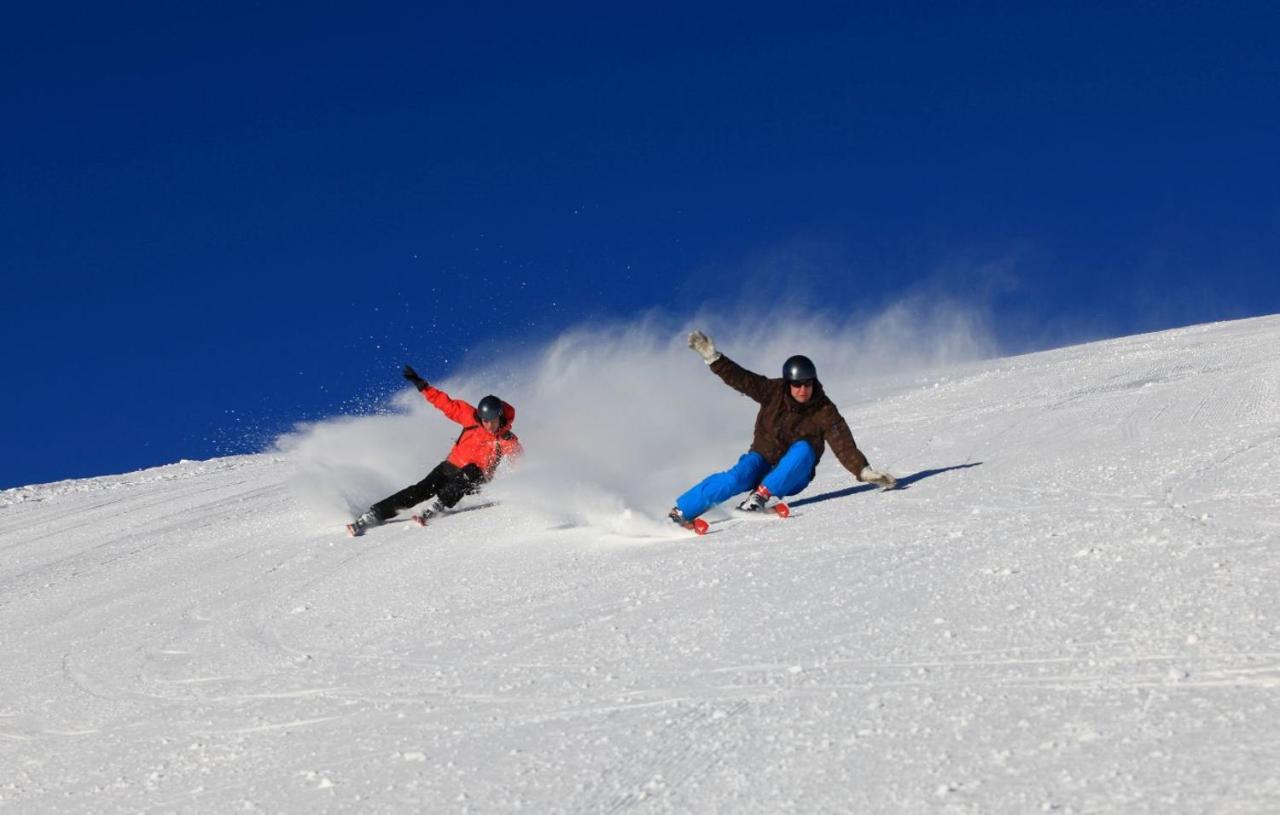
(486, 439)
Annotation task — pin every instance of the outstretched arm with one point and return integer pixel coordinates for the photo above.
(846, 449)
(750, 384)
(455, 409)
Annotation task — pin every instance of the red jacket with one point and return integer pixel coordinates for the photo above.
(476, 445)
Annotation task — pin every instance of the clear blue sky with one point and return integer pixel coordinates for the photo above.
(221, 219)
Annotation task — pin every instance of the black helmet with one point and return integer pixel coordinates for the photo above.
(490, 407)
(799, 369)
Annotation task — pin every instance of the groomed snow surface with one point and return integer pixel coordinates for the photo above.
(1073, 605)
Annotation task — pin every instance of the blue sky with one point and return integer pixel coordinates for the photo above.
(219, 220)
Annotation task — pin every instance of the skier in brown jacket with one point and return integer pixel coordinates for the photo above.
(795, 421)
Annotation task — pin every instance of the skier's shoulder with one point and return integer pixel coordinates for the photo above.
(830, 414)
(822, 403)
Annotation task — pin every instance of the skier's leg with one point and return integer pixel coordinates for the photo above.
(793, 473)
(414, 494)
(462, 482)
(719, 487)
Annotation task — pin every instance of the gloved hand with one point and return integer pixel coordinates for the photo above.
(704, 346)
(412, 375)
(882, 480)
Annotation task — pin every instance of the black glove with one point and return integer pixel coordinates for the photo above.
(412, 375)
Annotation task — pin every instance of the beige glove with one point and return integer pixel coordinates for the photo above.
(882, 480)
(704, 346)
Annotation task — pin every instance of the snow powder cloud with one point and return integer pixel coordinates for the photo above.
(618, 417)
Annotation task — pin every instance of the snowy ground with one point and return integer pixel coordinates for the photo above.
(1071, 606)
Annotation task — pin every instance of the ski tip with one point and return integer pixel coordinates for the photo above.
(352, 531)
(782, 509)
(419, 520)
(700, 526)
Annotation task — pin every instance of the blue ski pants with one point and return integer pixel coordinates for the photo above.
(791, 475)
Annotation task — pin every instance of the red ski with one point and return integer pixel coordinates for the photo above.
(697, 526)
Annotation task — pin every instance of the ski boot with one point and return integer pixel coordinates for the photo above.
(367, 519)
(697, 525)
(758, 501)
(427, 513)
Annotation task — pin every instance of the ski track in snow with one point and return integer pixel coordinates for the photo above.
(1071, 606)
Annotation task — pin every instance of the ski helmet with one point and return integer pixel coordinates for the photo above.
(799, 369)
(489, 408)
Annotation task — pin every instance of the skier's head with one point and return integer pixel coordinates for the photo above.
(801, 376)
(489, 412)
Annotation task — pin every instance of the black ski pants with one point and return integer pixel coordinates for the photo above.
(448, 482)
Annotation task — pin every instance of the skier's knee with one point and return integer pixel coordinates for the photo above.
(802, 449)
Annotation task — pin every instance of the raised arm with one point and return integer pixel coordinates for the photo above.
(752, 385)
(455, 409)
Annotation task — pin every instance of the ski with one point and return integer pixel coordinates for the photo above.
(697, 526)
(357, 527)
(769, 513)
(426, 516)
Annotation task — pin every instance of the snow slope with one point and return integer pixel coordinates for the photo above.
(1071, 606)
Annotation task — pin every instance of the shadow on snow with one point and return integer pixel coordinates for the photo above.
(903, 483)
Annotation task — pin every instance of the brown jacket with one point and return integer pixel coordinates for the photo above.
(782, 421)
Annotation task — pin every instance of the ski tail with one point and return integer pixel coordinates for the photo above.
(696, 526)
